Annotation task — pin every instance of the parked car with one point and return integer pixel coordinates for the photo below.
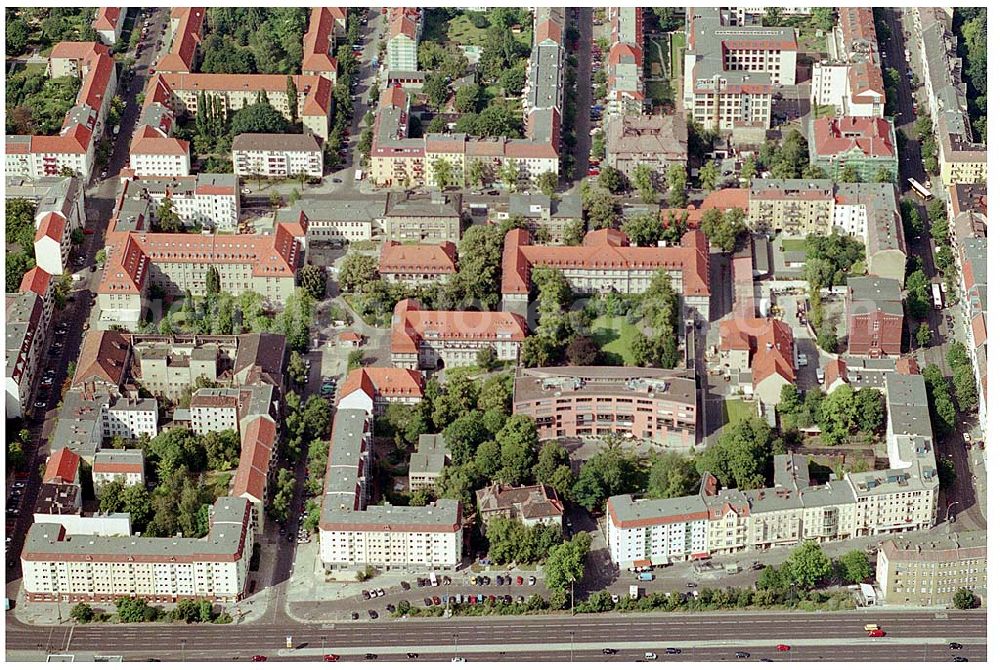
(955, 645)
(428, 602)
(520, 580)
(783, 647)
(331, 657)
(531, 580)
(742, 654)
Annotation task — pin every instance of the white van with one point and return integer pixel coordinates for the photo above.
(650, 656)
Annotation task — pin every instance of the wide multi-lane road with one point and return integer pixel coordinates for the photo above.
(911, 635)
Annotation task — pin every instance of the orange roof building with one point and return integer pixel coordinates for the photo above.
(428, 339)
(178, 262)
(373, 389)
(38, 156)
(319, 43)
(764, 347)
(418, 263)
(605, 263)
(178, 92)
(63, 467)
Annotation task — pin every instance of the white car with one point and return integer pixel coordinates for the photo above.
(458, 659)
(246, 191)
(802, 360)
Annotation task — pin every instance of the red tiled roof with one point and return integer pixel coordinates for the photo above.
(36, 280)
(385, 382)
(426, 258)
(94, 88)
(548, 30)
(979, 329)
(275, 255)
(402, 25)
(723, 200)
(606, 250)
(317, 40)
(185, 41)
(107, 18)
(116, 467)
(62, 468)
(349, 336)
(317, 101)
(769, 340)
(102, 357)
(53, 226)
(410, 325)
(873, 136)
(864, 79)
(166, 146)
(75, 140)
(78, 50)
(255, 458)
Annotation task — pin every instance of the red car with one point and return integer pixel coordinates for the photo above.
(331, 657)
(258, 657)
(88, 231)
(783, 647)
(593, 173)
(520, 580)
(876, 633)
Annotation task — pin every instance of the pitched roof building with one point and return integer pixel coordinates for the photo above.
(427, 339)
(418, 263)
(372, 389)
(865, 144)
(534, 504)
(765, 348)
(605, 262)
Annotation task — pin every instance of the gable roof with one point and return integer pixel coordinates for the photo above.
(428, 258)
(62, 468)
(411, 325)
(769, 341)
(102, 358)
(874, 137)
(36, 280)
(383, 381)
(316, 43)
(605, 250)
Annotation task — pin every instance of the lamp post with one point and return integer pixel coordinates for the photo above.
(183, 645)
(323, 640)
(948, 512)
(572, 639)
(572, 597)
(454, 637)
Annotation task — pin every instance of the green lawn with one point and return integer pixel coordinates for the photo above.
(738, 409)
(676, 63)
(614, 336)
(792, 244)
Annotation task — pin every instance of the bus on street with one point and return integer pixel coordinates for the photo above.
(936, 292)
(919, 189)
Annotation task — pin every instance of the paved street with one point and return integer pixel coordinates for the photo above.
(912, 635)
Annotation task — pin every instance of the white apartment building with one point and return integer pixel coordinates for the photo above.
(63, 198)
(899, 499)
(658, 531)
(154, 154)
(203, 200)
(214, 410)
(127, 467)
(131, 417)
(277, 155)
(353, 533)
(75, 568)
